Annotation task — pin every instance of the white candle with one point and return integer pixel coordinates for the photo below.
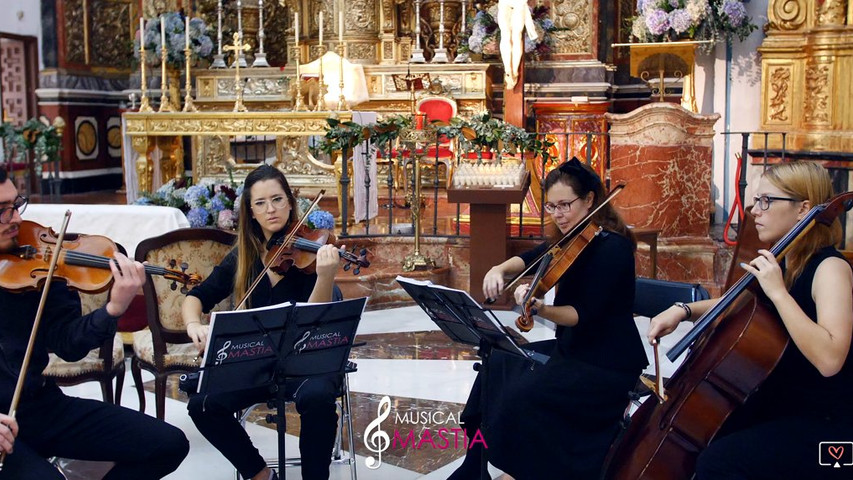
(141, 31)
(296, 27)
(162, 33)
(321, 28)
(187, 33)
(340, 27)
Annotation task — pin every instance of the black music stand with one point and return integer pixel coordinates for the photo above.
(462, 319)
(264, 347)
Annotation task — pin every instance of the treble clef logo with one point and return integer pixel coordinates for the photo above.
(222, 353)
(377, 441)
(300, 344)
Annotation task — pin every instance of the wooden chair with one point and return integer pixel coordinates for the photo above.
(165, 348)
(102, 364)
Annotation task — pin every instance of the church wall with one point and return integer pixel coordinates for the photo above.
(29, 23)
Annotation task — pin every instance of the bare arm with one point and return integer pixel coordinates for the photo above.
(666, 321)
(328, 261)
(493, 281)
(191, 311)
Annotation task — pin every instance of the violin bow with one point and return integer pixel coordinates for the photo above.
(19, 387)
(571, 233)
(280, 249)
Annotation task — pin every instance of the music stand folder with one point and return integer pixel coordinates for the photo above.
(269, 345)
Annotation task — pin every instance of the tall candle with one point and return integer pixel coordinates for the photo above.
(142, 32)
(162, 33)
(340, 27)
(321, 28)
(296, 27)
(187, 33)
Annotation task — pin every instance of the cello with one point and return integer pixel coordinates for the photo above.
(734, 346)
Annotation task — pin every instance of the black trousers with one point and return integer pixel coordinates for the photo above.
(315, 402)
(53, 424)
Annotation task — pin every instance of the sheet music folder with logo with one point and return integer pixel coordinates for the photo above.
(250, 348)
(462, 319)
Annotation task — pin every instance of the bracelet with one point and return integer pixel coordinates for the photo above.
(686, 308)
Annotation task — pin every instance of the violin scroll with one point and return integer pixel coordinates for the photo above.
(180, 276)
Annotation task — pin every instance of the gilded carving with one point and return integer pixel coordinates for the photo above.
(576, 17)
(387, 15)
(276, 23)
(780, 83)
(786, 14)
(361, 16)
(214, 157)
(361, 51)
(831, 12)
(75, 39)
(255, 87)
(158, 124)
(154, 8)
(206, 87)
(109, 23)
(816, 108)
(388, 50)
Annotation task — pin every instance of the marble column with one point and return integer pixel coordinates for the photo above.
(663, 154)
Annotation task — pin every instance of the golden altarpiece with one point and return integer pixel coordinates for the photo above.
(380, 35)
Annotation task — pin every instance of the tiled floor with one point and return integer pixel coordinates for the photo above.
(407, 358)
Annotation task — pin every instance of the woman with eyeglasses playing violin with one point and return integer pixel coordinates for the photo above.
(807, 398)
(557, 420)
(267, 211)
(47, 422)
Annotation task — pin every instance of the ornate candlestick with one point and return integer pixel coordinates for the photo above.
(322, 89)
(413, 137)
(440, 52)
(239, 56)
(218, 59)
(298, 106)
(165, 105)
(144, 106)
(342, 100)
(463, 57)
(260, 57)
(188, 99)
(237, 48)
(417, 52)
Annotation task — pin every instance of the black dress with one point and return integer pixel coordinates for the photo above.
(777, 433)
(557, 420)
(314, 397)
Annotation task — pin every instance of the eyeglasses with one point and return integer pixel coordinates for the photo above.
(19, 205)
(260, 206)
(764, 201)
(562, 207)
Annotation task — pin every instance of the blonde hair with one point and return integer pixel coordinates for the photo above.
(805, 181)
(250, 237)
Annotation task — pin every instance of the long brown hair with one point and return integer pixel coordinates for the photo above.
(250, 236)
(583, 179)
(805, 181)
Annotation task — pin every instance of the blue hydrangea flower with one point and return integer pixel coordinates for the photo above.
(217, 204)
(658, 22)
(680, 20)
(321, 219)
(735, 11)
(198, 217)
(196, 196)
(142, 201)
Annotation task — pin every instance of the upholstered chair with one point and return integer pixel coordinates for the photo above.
(165, 348)
(443, 109)
(102, 364)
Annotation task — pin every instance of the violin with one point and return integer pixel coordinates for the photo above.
(84, 262)
(300, 252)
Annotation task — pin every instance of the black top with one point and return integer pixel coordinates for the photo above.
(796, 387)
(62, 330)
(295, 286)
(600, 286)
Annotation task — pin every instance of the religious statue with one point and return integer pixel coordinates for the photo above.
(513, 17)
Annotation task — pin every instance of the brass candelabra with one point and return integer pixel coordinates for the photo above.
(413, 137)
(188, 99)
(342, 100)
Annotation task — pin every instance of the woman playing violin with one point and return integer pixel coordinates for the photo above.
(557, 420)
(50, 423)
(807, 397)
(268, 209)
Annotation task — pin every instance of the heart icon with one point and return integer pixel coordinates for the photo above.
(836, 452)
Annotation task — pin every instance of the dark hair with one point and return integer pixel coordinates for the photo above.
(3, 175)
(250, 237)
(583, 180)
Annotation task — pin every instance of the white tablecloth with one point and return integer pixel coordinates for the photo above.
(124, 224)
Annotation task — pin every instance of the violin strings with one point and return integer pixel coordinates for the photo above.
(92, 260)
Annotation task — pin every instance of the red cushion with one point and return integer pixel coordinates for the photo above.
(473, 155)
(437, 109)
(135, 318)
(443, 152)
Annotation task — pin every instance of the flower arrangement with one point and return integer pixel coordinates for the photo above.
(317, 218)
(200, 42)
(483, 35)
(667, 20)
(204, 204)
(35, 135)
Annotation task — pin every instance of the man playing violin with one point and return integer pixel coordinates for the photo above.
(49, 423)
(807, 398)
(557, 420)
(267, 212)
